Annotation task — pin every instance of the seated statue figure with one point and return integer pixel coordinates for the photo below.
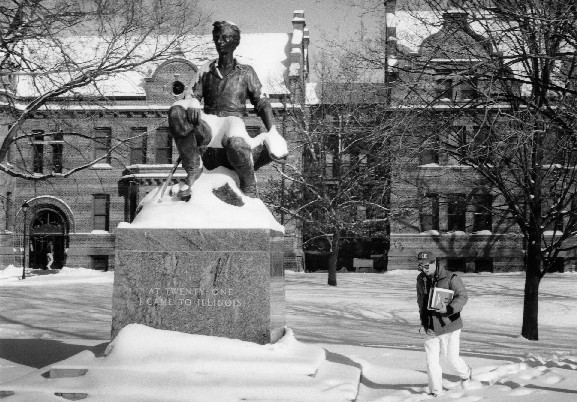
(216, 132)
(225, 86)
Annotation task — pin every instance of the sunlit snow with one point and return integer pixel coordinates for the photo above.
(368, 321)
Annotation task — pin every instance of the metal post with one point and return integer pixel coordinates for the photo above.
(25, 210)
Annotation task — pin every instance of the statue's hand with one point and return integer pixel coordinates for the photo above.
(193, 116)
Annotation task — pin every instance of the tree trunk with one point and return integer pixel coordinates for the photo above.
(333, 259)
(530, 329)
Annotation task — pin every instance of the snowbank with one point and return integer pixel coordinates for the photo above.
(11, 273)
(146, 364)
(152, 349)
(12, 276)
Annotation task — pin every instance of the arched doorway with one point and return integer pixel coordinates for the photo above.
(48, 224)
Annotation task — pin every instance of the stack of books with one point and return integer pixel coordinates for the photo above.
(438, 295)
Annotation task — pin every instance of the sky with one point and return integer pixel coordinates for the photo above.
(323, 17)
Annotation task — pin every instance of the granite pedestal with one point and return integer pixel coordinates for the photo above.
(219, 282)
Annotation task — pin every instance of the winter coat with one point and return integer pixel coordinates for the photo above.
(451, 320)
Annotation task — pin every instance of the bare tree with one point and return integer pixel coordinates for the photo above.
(339, 191)
(61, 50)
(492, 87)
(514, 79)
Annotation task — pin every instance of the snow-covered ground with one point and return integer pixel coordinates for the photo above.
(369, 320)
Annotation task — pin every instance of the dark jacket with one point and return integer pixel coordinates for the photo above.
(227, 95)
(430, 319)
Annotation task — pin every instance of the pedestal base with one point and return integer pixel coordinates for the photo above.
(220, 282)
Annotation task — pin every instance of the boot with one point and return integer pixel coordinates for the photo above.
(239, 155)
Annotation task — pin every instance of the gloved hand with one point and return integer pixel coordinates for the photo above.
(193, 109)
(428, 332)
(442, 308)
(193, 116)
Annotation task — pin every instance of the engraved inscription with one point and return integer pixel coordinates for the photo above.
(201, 297)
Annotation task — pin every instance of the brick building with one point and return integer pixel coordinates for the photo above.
(127, 114)
(450, 208)
(438, 203)
(447, 207)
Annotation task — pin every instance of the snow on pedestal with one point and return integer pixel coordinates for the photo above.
(202, 266)
(204, 209)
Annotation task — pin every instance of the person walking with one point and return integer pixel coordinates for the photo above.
(442, 327)
(49, 255)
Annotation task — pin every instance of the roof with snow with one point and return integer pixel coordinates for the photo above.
(267, 53)
(474, 36)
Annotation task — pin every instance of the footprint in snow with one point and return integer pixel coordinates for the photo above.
(521, 391)
(552, 379)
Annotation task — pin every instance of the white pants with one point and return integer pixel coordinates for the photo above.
(50, 257)
(444, 349)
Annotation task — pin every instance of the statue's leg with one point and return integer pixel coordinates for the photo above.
(261, 157)
(182, 132)
(239, 155)
(187, 150)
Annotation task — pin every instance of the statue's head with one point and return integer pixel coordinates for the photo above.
(226, 36)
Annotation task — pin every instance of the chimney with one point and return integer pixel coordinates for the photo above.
(299, 19)
(455, 18)
(298, 57)
(391, 32)
(297, 43)
(306, 41)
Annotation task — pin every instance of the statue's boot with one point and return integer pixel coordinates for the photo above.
(239, 155)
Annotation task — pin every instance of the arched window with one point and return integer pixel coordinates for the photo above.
(48, 221)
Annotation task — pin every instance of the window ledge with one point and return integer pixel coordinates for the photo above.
(430, 232)
(458, 166)
(457, 233)
(483, 233)
(101, 166)
(552, 233)
(447, 166)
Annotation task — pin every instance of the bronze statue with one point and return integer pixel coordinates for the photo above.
(225, 85)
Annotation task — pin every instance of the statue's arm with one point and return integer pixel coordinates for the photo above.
(193, 91)
(265, 113)
(258, 99)
(195, 88)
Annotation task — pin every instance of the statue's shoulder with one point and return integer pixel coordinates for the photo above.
(207, 67)
(244, 67)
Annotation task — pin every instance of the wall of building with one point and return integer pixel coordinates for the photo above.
(498, 248)
(72, 198)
